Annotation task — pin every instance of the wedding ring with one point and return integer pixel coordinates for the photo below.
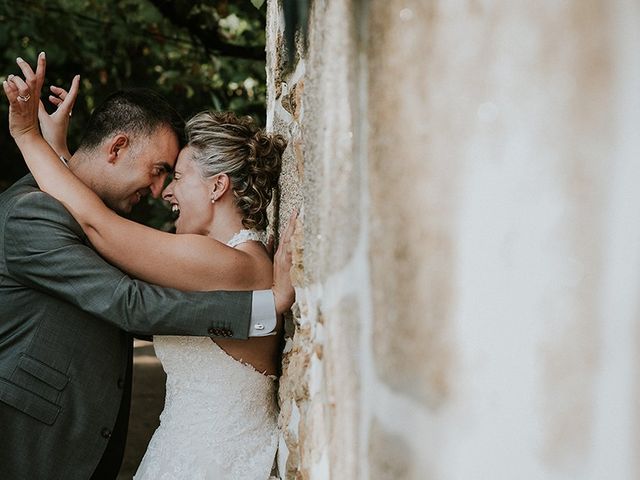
(24, 98)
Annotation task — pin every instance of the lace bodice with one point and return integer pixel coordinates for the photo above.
(219, 419)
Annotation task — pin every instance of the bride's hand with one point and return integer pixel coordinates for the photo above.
(23, 98)
(283, 291)
(54, 126)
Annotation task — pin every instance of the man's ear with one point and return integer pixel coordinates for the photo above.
(116, 147)
(219, 185)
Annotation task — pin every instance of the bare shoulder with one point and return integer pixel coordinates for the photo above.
(261, 262)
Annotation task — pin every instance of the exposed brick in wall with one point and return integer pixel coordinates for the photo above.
(466, 264)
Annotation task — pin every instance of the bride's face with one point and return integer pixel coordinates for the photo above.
(189, 195)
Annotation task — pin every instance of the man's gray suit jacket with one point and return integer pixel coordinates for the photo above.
(65, 320)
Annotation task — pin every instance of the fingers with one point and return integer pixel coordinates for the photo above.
(63, 100)
(70, 99)
(20, 85)
(284, 253)
(41, 67)
(59, 92)
(23, 96)
(34, 80)
(288, 233)
(55, 100)
(10, 88)
(26, 70)
(10, 91)
(283, 290)
(32, 83)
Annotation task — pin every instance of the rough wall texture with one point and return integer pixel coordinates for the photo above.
(467, 263)
(319, 389)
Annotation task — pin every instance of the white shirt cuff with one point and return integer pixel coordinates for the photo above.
(263, 314)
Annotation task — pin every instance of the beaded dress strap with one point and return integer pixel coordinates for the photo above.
(246, 236)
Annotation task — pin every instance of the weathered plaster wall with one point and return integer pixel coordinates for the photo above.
(319, 390)
(467, 262)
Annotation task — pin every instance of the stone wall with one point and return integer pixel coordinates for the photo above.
(467, 260)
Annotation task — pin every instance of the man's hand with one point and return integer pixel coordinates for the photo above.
(54, 126)
(283, 291)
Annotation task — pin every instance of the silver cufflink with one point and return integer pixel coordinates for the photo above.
(259, 326)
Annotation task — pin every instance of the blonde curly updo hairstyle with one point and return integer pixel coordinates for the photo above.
(225, 143)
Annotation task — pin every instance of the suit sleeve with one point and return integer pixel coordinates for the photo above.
(45, 249)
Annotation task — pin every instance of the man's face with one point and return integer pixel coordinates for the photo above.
(141, 169)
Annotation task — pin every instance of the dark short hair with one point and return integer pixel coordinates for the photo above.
(137, 111)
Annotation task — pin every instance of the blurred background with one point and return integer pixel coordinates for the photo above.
(199, 55)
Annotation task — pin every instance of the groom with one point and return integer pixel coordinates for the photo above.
(66, 316)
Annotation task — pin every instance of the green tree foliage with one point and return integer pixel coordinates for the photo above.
(199, 55)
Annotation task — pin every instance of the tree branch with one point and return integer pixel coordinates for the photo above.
(180, 15)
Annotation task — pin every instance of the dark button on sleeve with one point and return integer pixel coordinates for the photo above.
(106, 433)
(121, 383)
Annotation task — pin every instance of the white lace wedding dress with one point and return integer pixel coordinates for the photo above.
(219, 417)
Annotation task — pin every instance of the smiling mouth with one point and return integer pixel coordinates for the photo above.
(175, 210)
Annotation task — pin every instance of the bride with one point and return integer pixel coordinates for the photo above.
(219, 420)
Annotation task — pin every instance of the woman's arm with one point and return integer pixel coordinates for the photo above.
(186, 262)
